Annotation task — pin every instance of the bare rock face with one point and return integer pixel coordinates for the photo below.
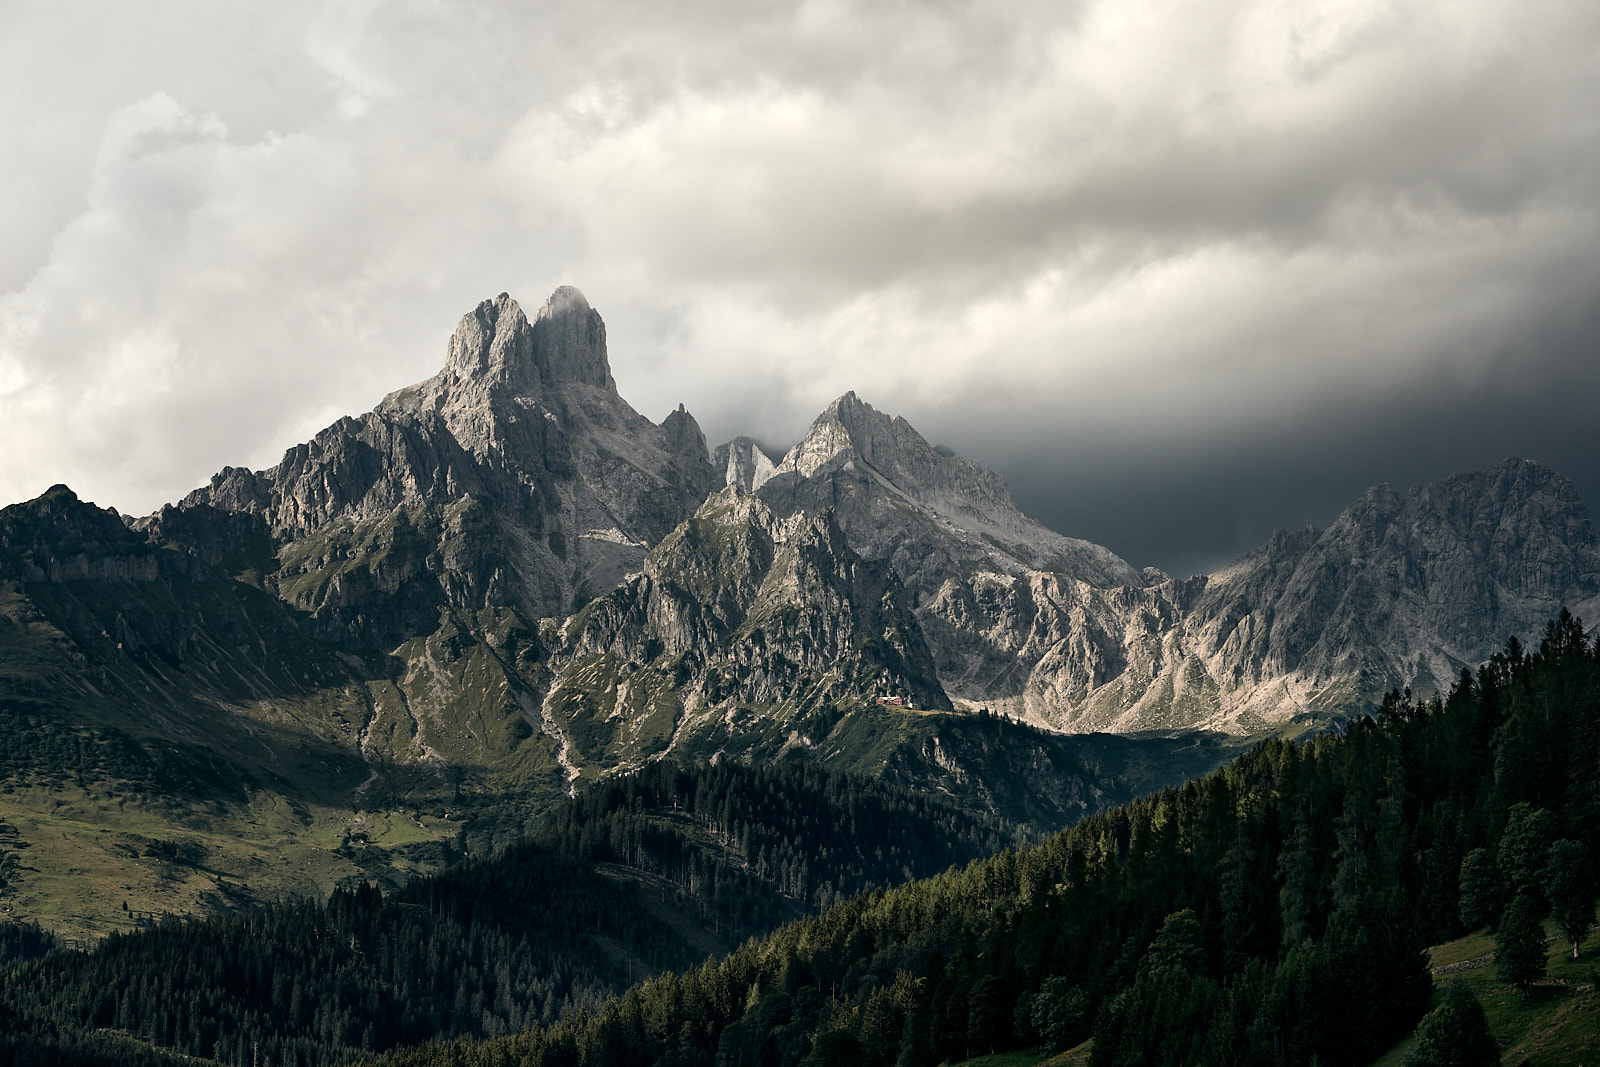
(497, 345)
(569, 341)
(1421, 584)
(516, 477)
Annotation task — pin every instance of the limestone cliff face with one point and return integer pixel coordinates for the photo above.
(516, 477)
(1403, 589)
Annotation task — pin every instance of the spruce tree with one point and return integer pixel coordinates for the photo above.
(1525, 848)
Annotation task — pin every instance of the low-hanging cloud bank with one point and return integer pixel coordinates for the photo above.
(1109, 247)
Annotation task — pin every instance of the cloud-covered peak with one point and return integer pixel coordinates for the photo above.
(566, 300)
(569, 341)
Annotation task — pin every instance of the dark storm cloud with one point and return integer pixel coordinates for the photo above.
(1134, 256)
(1194, 506)
(1195, 511)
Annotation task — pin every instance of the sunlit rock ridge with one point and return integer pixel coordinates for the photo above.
(1403, 589)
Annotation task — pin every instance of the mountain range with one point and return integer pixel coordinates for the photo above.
(519, 478)
(428, 623)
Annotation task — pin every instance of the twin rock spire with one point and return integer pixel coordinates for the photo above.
(565, 342)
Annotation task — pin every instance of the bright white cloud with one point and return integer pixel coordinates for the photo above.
(1070, 221)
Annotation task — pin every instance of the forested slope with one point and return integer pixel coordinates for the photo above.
(652, 871)
(1275, 911)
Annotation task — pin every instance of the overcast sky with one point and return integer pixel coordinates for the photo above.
(1183, 272)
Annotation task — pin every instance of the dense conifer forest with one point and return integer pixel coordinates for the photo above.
(1275, 911)
(635, 876)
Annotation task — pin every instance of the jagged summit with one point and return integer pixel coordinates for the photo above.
(496, 343)
(936, 515)
(515, 477)
(569, 341)
(491, 341)
(684, 436)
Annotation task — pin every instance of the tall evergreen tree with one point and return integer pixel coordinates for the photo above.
(1525, 849)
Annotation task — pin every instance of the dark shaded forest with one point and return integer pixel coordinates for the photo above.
(635, 876)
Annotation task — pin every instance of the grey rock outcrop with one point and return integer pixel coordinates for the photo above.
(743, 464)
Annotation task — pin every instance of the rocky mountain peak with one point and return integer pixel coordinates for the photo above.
(850, 429)
(932, 513)
(495, 343)
(491, 341)
(57, 537)
(566, 300)
(1510, 500)
(684, 436)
